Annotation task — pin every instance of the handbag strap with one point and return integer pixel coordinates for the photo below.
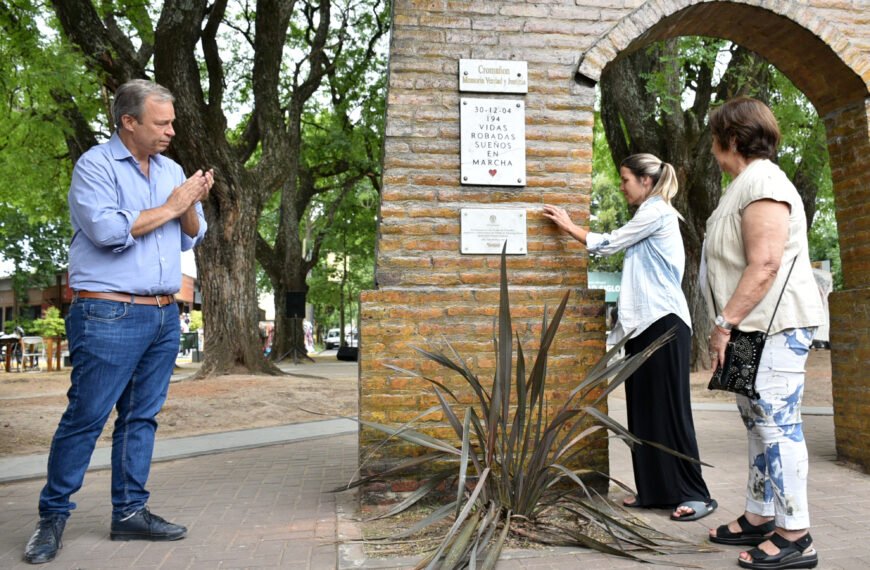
(767, 332)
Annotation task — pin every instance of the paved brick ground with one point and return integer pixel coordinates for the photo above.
(259, 508)
(839, 500)
(269, 507)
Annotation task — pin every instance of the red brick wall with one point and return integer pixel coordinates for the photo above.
(397, 320)
(850, 322)
(426, 287)
(849, 145)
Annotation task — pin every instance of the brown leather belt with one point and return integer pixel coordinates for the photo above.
(159, 300)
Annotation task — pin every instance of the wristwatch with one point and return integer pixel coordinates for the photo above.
(720, 322)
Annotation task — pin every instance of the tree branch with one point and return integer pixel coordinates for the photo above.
(267, 258)
(213, 63)
(272, 21)
(82, 25)
(80, 137)
(330, 218)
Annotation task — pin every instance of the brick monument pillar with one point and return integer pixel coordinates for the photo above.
(428, 288)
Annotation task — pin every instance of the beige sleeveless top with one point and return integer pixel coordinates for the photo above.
(801, 304)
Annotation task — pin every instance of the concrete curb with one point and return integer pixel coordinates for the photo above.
(33, 466)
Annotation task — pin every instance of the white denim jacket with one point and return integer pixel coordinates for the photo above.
(653, 269)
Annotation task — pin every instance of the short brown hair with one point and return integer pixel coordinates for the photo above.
(130, 99)
(750, 124)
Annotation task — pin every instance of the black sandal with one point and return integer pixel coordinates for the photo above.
(797, 554)
(749, 535)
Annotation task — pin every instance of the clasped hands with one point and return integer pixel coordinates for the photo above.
(194, 189)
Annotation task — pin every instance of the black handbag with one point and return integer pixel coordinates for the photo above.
(743, 355)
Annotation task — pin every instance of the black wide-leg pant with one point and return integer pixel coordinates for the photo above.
(659, 409)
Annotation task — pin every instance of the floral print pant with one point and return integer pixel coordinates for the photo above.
(778, 459)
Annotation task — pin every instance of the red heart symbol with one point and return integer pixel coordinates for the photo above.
(492, 172)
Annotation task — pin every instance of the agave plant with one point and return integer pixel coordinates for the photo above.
(514, 462)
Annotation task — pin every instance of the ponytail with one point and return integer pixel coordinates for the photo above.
(662, 174)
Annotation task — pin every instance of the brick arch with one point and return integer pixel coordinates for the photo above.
(797, 41)
(426, 289)
(829, 70)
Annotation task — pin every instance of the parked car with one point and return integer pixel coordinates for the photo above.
(351, 338)
(333, 339)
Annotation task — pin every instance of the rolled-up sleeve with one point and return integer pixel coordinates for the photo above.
(644, 223)
(95, 206)
(187, 242)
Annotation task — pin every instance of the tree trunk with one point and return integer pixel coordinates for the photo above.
(225, 258)
(634, 121)
(342, 322)
(225, 262)
(289, 334)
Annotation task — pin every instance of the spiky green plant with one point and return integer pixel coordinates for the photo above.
(511, 468)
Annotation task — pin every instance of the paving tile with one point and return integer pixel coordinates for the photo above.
(271, 507)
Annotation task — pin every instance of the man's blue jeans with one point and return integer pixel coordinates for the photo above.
(122, 355)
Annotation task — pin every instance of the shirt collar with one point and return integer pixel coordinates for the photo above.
(120, 151)
(650, 200)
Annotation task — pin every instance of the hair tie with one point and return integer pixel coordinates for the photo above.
(662, 165)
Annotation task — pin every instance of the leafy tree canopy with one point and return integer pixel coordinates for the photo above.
(38, 75)
(249, 77)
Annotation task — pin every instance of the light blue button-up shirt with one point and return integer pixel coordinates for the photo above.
(653, 269)
(107, 192)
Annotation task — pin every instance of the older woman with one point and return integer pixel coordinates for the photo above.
(755, 237)
(651, 302)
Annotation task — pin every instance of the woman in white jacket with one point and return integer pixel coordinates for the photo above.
(651, 302)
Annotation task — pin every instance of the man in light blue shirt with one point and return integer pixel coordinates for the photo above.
(133, 212)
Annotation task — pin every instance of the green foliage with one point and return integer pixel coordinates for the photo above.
(608, 206)
(823, 237)
(803, 145)
(26, 325)
(517, 456)
(51, 324)
(195, 321)
(39, 78)
(36, 249)
(350, 238)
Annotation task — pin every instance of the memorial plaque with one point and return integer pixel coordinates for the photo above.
(493, 76)
(484, 231)
(492, 142)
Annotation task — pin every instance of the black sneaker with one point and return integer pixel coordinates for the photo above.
(46, 540)
(146, 526)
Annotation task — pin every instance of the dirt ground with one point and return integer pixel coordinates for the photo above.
(31, 403)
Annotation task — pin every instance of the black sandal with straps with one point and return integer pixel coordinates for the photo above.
(749, 535)
(797, 554)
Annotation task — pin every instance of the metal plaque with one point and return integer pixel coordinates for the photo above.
(484, 231)
(492, 142)
(493, 76)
